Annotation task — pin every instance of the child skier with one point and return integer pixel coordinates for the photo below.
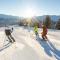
(44, 32)
(36, 30)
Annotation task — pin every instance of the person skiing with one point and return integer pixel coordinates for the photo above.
(36, 30)
(44, 32)
(9, 36)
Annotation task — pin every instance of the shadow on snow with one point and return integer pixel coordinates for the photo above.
(49, 48)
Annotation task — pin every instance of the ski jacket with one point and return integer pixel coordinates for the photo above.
(35, 29)
(44, 30)
(8, 32)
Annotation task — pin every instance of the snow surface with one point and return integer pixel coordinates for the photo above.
(27, 47)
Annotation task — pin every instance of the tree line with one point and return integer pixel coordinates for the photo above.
(47, 21)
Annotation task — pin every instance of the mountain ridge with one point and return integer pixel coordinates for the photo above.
(9, 19)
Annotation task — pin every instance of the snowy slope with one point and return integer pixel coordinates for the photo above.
(28, 48)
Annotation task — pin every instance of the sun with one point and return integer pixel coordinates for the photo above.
(29, 12)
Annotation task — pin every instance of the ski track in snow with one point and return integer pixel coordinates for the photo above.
(27, 47)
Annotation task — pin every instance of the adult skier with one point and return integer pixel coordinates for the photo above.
(9, 36)
(44, 32)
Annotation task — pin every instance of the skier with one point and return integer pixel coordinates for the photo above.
(9, 36)
(36, 30)
(44, 32)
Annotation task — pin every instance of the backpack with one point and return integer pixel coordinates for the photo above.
(8, 32)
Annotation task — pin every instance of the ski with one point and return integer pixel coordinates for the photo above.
(44, 39)
(5, 46)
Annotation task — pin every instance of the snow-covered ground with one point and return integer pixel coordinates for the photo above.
(27, 47)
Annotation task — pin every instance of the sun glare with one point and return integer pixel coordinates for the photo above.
(29, 13)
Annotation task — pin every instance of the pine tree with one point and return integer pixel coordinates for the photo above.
(58, 24)
(47, 21)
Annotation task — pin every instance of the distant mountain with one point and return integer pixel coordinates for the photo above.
(53, 17)
(8, 19)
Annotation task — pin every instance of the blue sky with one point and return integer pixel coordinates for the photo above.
(36, 7)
